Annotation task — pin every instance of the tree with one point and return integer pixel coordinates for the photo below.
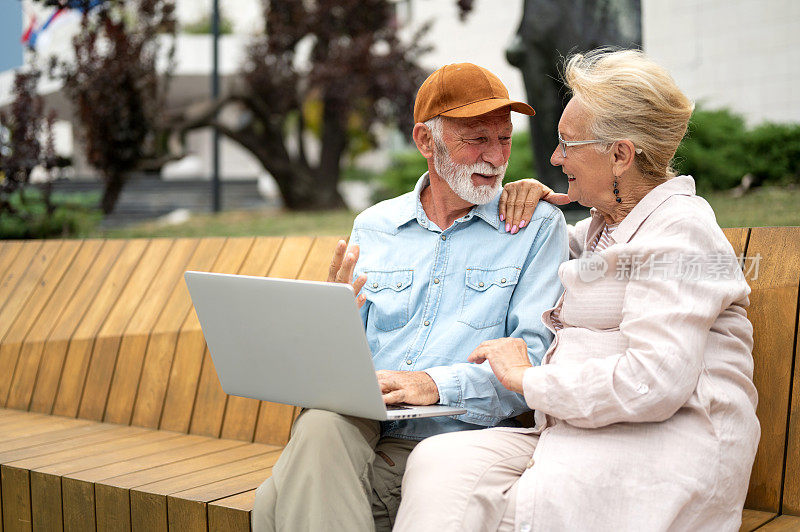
(22, 130)
(357, 72)
(115, 88)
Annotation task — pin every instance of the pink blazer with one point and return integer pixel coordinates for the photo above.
(645, 401)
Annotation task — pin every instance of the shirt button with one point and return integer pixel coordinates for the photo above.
(444, 237)
(436, 281)
(480, 284)
(503, 280)
(374, 285)
(409, 361)
(427, 323)
(642, 388)
(399, 285)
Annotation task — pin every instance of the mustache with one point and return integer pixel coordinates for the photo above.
(483, 168)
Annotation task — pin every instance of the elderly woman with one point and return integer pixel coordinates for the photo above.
(645, 405)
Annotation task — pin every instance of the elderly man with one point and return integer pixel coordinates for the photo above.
(438, 273)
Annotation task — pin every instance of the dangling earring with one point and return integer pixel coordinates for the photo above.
(616, 190)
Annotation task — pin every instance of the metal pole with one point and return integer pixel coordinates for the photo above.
(217, 200)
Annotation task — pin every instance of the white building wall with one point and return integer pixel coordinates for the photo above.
(740, 54)
(481, 39)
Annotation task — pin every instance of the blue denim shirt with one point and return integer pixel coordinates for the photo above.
(434, 295)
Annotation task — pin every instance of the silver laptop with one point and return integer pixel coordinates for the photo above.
(294, 342)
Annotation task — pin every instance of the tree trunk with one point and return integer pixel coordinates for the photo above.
(111, 191)
(301, 191)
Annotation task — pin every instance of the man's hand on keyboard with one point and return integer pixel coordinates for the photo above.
(410, 387)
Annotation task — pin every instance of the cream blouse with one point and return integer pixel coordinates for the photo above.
(645, 405)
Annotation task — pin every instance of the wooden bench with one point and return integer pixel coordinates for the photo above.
(112, 417)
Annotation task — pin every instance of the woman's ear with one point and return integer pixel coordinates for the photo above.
(423, 139)
(622, 156)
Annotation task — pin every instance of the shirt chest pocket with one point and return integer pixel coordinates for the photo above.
(389, 293)
(486, 296)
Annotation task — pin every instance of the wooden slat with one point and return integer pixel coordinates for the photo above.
(773, 312)
(55, 348)
(173, 399)
(146, 355)
(188, 509)
(11, 421)
(737, 236)
(62, 450)
(16, 500)
(20, 310)
(35, 433)
(782, 523)
(158, 369)
(106, 346)
(8, 254)
(59, 433)
(231, 513)
(10, 276)
(78, 488)
(79, 352)
(113, 495)
(16, 480)
(199, 463)
(149, 503)
(185, 448)
(752, 519)
(275, 420)
(45, 498)
(241, 413)
(23, 278)
(24, 377)
(27, 316)
(791, 485)
(134, 340)
(46, 492)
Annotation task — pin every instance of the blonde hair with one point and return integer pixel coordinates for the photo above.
(630, 96)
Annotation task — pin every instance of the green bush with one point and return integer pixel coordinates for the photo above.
(712, 150)
(408, 165)
(75, 215)
(719, 150)
(774, 153)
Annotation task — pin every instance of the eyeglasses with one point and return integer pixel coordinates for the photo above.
(567, 143)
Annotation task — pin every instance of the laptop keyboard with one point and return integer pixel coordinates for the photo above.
(397, 407)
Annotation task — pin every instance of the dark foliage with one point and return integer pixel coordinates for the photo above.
(329, 68)
(22, 129)
(116, 91)
(30, 210)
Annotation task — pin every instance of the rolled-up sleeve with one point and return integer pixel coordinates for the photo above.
(666, 318)
(475, 387)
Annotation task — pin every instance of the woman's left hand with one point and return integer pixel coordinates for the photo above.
(519, 199)
(508, 358)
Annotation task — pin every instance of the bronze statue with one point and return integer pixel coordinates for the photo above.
(550, 30)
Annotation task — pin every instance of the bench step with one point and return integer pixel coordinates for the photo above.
(61, 473)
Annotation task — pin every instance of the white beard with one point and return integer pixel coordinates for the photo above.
(459, 177)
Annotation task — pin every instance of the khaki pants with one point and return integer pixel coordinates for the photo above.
(336, 473)
(465, 481)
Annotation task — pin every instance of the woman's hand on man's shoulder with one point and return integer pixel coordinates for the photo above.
(520, 198)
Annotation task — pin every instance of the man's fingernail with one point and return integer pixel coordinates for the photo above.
(522, 224)
(508, 226)
(502, 218)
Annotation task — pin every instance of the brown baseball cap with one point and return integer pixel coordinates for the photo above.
(463, 90)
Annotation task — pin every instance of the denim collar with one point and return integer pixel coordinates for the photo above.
(411, 209)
